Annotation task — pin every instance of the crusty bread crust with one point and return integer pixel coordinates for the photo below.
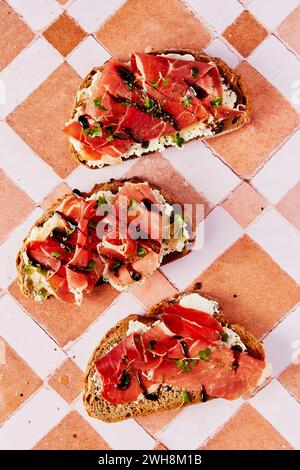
(235, 81)
(113, 185)
(169, 397)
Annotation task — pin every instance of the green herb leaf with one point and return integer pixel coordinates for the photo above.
(141, 251)
(186, 101)
(91, 266)
(126, 102)
(166, 81)
(178, 140)
(95, 131)
(193, 362)
(41, 270)
(28, 269)
(115, 266)
(194, 72)
(152, 344)
(132, 202)
(98, 104)
(216, 102)
(110, 138)
(224, 336)
(183, 365)
(42, 294)
(205, 354)
(185, 396)
(70, 230)
(56, 254)
(154, 84)
(101, 200)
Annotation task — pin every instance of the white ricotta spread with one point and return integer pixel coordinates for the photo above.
(136, 326)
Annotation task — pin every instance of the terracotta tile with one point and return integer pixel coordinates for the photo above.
(67, 380)
(16, 203)
(289, 30)
(153, 290)
(58, 192)
(157, 170)
(64, 34)
(289, 206)
(72, 433)
(160, 447)
(62, 2)
(290, 378)
(245, 33)
(245, 204)
(39, 120)
(14, 34)
(252, 288)
(65, 322)
(156, 423)
(250, 422)
(14, 392)
(152, 23)
(272, 120)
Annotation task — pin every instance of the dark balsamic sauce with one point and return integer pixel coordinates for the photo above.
(203, 394)
(148, 396)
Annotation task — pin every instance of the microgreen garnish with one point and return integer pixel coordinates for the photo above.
(185, 396)
(205, 354)
(141, 251)
(224, 336)
(194, 72)
(154, 84)
(178, 140)
(95, 131)
(216, 102)
(152, 344)
(98, 104)
(110, 138)
(56, 254)
(186, 101)
(101, 200)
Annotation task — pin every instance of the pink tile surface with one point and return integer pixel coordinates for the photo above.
(250, 256)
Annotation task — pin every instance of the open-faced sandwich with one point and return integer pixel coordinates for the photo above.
(120, 232)
(182, 352)
(155, 100)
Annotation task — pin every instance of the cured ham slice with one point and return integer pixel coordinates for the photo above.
(184, 351)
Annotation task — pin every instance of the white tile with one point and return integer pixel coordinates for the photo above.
(218, 48)
(10, 247)
(125, 435)
(82, 349)
(87, 55)
(28, 339)
(280, 239)
(272, 12)
(280, 66)
(37, 13)
(207, 173)
(281, 172)
(197, 423)
(84, 178)
(27, 71)
(92, 13)
(283, 343)
(215, 234)
(276, 404)
(35, 419)
(22, 165)
(217, 14)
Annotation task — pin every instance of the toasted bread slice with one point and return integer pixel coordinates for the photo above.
(25, 281)
(234, 82)
(170, 397)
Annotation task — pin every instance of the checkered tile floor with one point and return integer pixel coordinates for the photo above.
(249, 182)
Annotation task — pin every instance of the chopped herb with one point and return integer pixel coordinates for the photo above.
(70, 230)
(194, 362)
(41, 270)
(56, 254)
(126, 102)
(91, 266)
(95, 131)
(125, 380)
(98, 104)
(194, 72)
(186, 101)
(166, 81)
(28, 269)
(152, 344)
(115, 266)
(42, 294)
(216, 102)
(101, 200)
(185, 396)
(183, 364)
(154, 84)
(205, 354)
(224, 336)
(149, 104)
(141, 251)
(110, 138)
(178, 140)
(132, 202)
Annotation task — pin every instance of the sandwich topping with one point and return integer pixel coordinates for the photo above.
(150, 102)
(186, 348)
(119, 238)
